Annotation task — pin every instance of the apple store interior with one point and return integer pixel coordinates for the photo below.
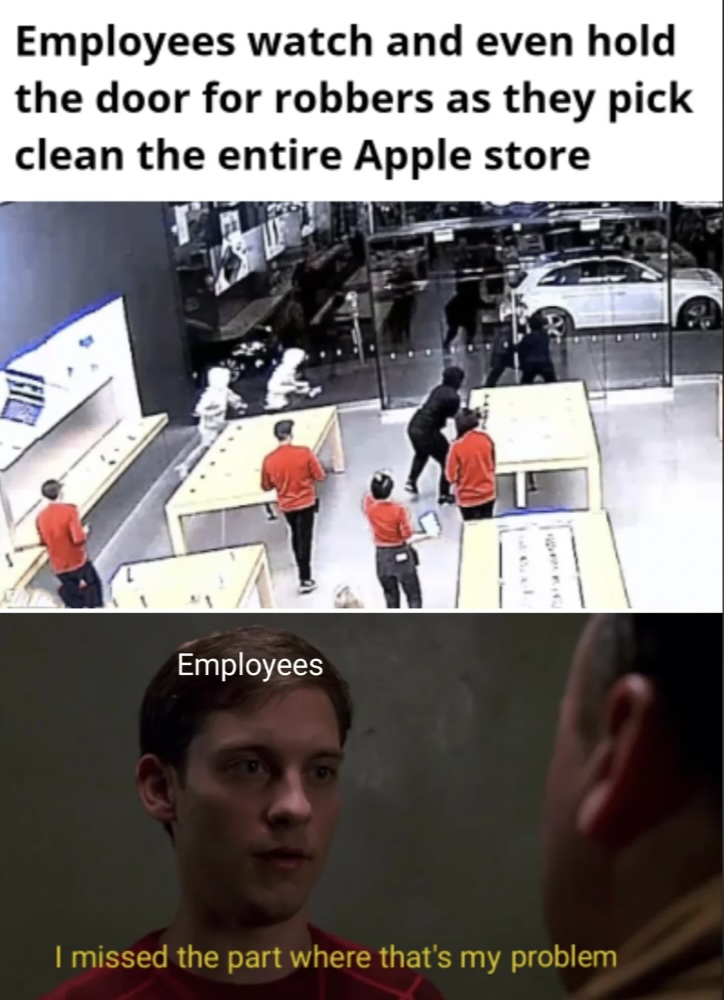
(334, 322)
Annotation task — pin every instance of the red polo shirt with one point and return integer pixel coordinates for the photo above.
(174, 983)
(292, 470)
(470, 467)
(63, 536)
(389, 520)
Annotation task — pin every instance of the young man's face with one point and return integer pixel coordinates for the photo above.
(258, 805)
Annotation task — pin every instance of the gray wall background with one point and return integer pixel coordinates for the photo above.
(439, 840)
(60, 258)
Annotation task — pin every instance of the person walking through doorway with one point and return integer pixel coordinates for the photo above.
(425, 430)
(293, 471)
(394, 538)
(502, 356)
(401, 284)
(64, 538)
(461, 311)
(470, 467)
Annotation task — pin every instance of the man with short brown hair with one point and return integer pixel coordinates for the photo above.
(64, 537)
(633, 813)
(243, 772)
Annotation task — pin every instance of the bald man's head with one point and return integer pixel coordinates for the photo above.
(632, 814)
(681, 656)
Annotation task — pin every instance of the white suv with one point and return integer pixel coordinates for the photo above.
(620, 292)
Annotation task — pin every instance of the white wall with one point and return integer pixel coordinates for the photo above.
(91, 386)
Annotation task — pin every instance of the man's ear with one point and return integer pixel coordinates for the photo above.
(156, 788)
(634, 777)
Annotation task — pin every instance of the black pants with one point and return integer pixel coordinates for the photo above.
(81, 588)
(531, 372)
(479, 513)
(453, 328)
(399, 320)
(396, 570)
(495, 374)
(301, 525)
(428, 443)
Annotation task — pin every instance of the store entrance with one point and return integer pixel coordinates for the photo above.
(462, 291)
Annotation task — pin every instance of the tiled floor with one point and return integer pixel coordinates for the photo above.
(662, 468)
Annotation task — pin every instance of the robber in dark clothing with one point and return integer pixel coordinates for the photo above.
(534, 353)
(425, 430)
(502, 356)
(304, 285)
(402, 288)
(462, 311)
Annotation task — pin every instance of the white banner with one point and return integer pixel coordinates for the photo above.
(560, 100)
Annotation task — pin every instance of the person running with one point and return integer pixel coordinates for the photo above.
(402, 288)
(293, 471)
(470, 467)
(461, 311)
(502, 355)
(425, 430)
(394, 538)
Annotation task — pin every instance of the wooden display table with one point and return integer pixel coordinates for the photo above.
(542, 428)
(91, 478)
(17, 569)
(229, 474)
(597, 568)
(24, 599)
(224, 579)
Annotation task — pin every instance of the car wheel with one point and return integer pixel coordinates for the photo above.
(558, 323)
(699, 314)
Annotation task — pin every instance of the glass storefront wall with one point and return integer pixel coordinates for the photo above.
(626, 304)
(696, 229)
(381, 296)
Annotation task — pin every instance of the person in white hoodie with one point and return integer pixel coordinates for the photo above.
(211, 410)
(285, 382)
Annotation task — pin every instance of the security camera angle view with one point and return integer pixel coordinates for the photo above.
(288, 806)
(318, 405)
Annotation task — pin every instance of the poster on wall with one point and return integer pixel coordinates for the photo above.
(308, 222)
(230, 261)
(274, 236)
(181, 213)
(43, 383)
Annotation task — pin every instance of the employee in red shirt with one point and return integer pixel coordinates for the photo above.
(470, 468)
(243, 772)
(293, 471)
(64, 538)
(394, 537)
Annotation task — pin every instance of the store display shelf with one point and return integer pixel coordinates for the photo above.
(223, 579)
(17, 569)
(569, 561)
(91, 478)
